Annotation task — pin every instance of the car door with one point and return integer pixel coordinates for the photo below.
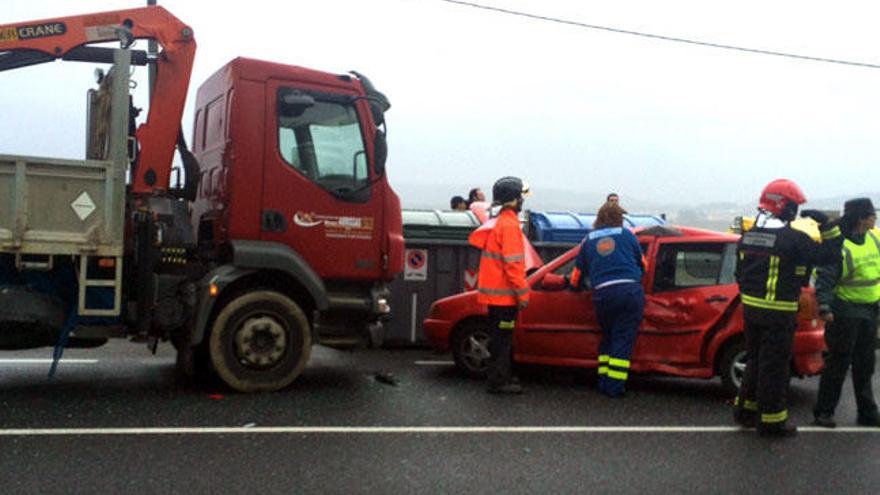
(559, 325)
(693, 286)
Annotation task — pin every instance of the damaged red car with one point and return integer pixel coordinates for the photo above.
(692, 326)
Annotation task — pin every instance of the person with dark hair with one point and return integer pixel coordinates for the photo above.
(612, 198)
(774, 262)
(848, 293)
(458, 203)
(474, 195)
(501, 283)
(612, 259)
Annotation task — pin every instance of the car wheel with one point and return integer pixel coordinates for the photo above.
(732, 366)
(470, 348)
(260, 342)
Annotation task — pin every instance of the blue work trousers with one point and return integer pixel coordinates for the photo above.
(619, 309)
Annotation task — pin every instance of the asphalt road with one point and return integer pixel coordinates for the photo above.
(116, 420)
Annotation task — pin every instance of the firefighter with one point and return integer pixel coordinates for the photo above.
(611, 257)
(848, 293)
(502, 279)
(774, 263)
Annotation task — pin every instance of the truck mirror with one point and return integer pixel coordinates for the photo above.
(380, 151)
(296, 103)
(378, 113)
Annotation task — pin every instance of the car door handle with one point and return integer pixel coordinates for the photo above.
(717, 299)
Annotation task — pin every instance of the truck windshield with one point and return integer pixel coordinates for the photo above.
(324, 143)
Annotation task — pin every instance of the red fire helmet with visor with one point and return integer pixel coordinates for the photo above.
(782, 197)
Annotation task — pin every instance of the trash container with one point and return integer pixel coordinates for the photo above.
(438, 261)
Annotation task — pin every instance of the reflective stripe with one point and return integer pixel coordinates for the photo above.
(603, 370)
(506, 259)
(859, 283)
(772, 278)
(850, 268)
(503, 292)
(775, 417)
(765, 304)
(506, 324)
(830, 234)
(617, 375)
(800, 270)
(603, 358)
(618, 363)
(748, 405)
(614, 282)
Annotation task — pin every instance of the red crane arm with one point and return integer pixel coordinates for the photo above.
(60, 38)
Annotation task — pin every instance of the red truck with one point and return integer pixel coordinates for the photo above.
(283, 232)
(692, 326)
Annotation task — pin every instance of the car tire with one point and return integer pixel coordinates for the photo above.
(470, 348)
(260, 342)
(732, 365)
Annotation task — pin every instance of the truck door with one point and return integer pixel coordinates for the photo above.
(693, 285)
(318, 194)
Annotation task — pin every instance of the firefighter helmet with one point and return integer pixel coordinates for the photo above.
(507, 189)
(781, 198)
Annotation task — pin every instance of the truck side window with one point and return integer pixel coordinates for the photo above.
(681, 266)
(324, 143)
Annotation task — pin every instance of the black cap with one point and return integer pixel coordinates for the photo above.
(859, 208)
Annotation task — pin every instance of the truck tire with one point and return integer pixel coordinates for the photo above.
(470, 348)
(732, 365)
(260, 342)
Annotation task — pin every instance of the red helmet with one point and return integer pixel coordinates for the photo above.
(777, 196)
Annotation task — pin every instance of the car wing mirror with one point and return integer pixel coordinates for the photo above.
(553, 282)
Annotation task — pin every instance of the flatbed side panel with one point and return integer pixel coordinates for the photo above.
(60, 207)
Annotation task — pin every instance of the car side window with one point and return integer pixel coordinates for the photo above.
(681, 266)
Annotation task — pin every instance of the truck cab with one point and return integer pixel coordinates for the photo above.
(293, 186)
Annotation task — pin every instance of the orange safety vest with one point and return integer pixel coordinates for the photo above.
(502, 278)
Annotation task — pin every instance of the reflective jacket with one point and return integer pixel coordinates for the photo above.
(773, 264)
(851, 287)
(502, 277)
(860, 271)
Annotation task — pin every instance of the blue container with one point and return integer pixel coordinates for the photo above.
(567, 227)
(559, 226)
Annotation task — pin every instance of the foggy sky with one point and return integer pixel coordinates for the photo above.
(476, 95)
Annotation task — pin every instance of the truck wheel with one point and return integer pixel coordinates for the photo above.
(732, 366)
(260, 342)
(470, 348)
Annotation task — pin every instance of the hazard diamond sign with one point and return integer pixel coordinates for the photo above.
(416, 265)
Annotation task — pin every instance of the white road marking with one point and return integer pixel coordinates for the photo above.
(47, 361)
(435, 363)
(222, 430)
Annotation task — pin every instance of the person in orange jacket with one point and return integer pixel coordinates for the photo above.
(502, 279)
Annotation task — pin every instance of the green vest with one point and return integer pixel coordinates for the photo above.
(860, 278)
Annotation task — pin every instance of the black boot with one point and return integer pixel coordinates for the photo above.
(824, 420)
(745, 418)
(777, 430)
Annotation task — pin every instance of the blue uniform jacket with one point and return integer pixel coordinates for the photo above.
(610, 254)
